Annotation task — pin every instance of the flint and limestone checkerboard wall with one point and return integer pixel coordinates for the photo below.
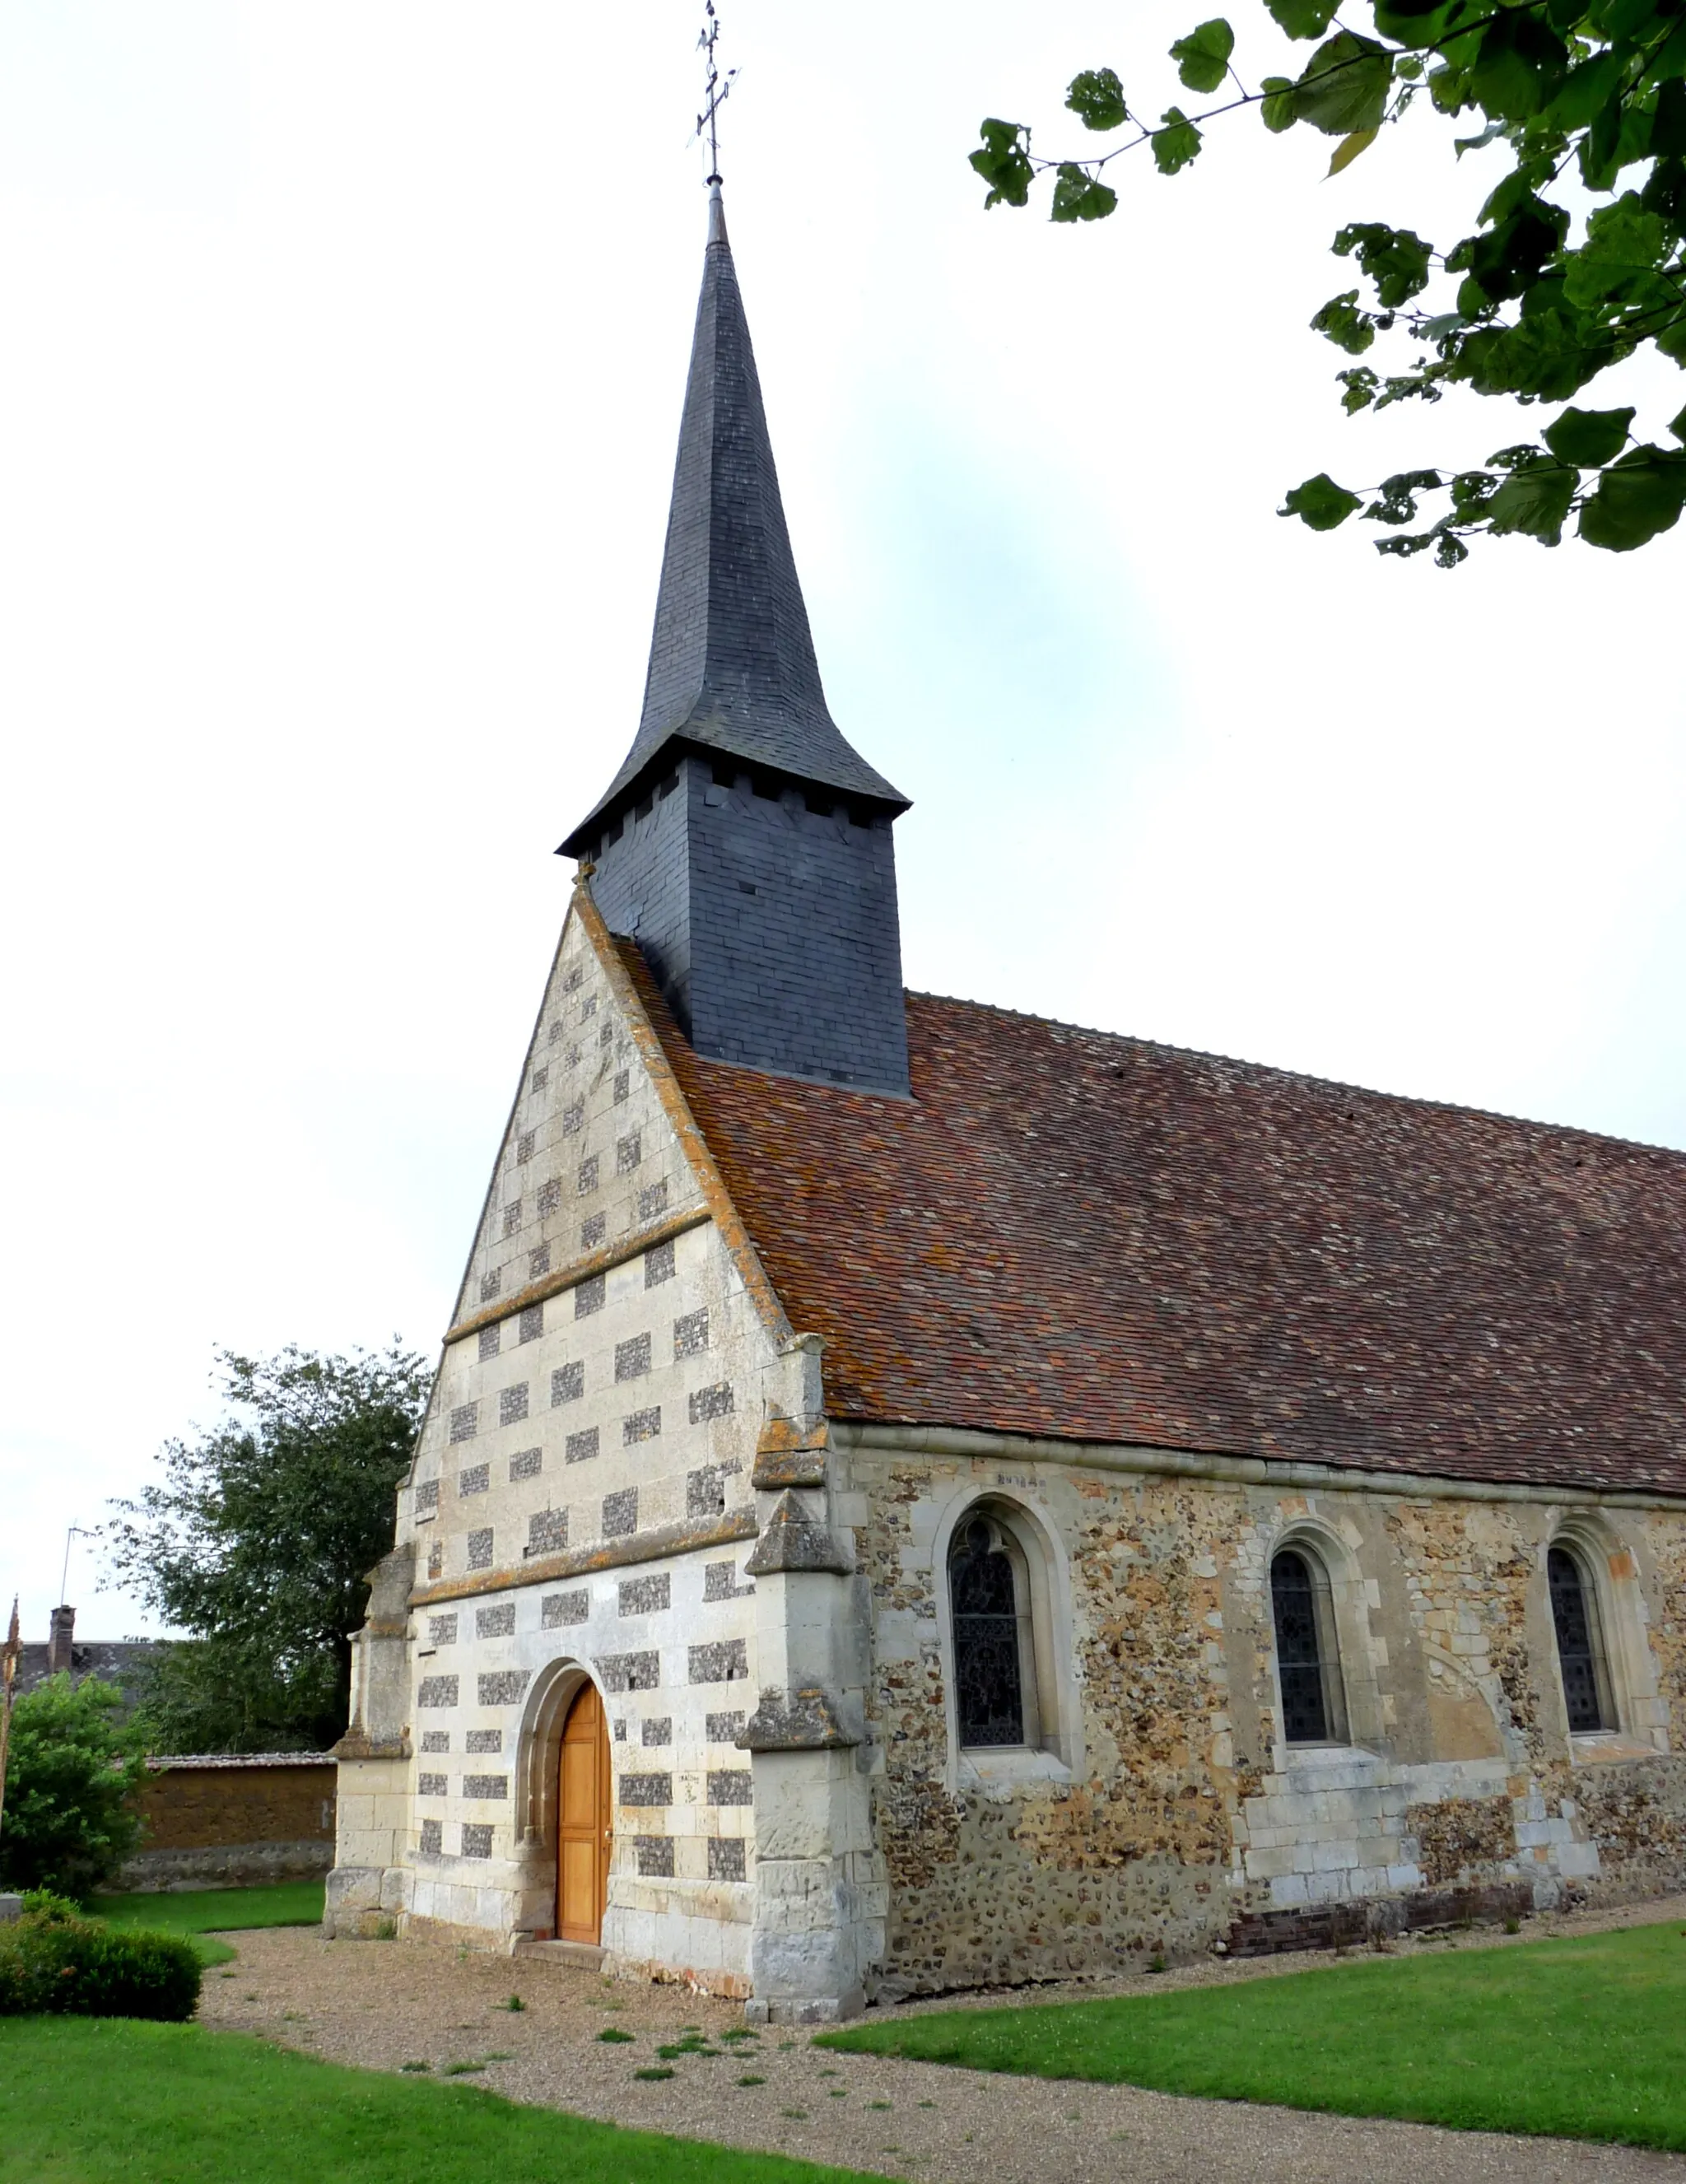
(1181, 1820)
(676, 1699)
(563, 1433)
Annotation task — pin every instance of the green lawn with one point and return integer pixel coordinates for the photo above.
(107, 2101)
(1585, 2038)
(217, 1910)
(199, 1911)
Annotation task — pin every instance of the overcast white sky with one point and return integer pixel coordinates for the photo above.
(344, 352)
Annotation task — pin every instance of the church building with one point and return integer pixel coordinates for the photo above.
(917, 1496)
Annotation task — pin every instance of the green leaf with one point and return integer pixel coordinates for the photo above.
(1522, 66)
(1677, 426)
(1320, 502)
(1349, 149)
(1668, 122)
(1619, 134)
(1620, 20)
(1586, 90)
(1395, 258)
(1506, 262)
(1519, 190)
(1535, 501)
(1003, 159)
(1588, 437)
(1642, 497)
(1671, 62)
(1176, 143)
(1341, 321)
(1078, 195)
(1624, 243)
(1420, 23)
(1664, 193)
(1202, 57)
(1276, 110)
(1547, 355)
(1396, 496)
(1472, 493)
(1361, 384)
(1344, 86)
(1303, 19)
(1096, 98)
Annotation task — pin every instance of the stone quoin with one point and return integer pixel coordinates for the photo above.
(916, 1495)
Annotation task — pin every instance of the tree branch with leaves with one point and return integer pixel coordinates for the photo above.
(1532, 306)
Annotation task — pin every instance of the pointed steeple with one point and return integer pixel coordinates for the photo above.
(732, 658)
(743, 844)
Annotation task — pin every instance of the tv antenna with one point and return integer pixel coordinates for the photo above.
(73, 1532)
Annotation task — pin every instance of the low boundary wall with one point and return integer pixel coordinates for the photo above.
(216, 1820)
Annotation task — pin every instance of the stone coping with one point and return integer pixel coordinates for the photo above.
(162, 1763)
(612, 1255)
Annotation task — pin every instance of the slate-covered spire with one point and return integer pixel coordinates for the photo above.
(743, 844)
(731, 657)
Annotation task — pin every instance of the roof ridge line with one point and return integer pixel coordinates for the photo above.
(1307, 1077)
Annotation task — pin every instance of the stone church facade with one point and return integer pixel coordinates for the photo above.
(916, 1495)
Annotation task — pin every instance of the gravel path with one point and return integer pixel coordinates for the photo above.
(383, 2005)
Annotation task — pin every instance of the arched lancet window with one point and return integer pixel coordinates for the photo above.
(992, 1659)
(1580, 1652)
(1308, 1666)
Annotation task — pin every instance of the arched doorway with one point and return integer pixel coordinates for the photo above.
(584, 1828)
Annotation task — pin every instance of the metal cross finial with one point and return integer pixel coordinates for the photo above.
(717, 88)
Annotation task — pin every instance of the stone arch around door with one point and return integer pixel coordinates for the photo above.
(551, 1700)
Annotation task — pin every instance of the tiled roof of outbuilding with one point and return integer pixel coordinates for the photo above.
(1066, 1233)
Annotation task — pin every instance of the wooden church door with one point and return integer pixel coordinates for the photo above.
(583, 1834)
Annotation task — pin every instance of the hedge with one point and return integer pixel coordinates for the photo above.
(54, 1966)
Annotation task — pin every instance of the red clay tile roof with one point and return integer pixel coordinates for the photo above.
(1070, 1234)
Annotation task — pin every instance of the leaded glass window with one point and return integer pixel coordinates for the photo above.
(1304, 1649)
(983, 1594)
(1574, 1616)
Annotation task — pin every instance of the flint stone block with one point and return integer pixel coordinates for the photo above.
(629, 1672)
(727, 1661)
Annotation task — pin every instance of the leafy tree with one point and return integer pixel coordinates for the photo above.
(256, 1543)
(1534, 305)
(73, 1764)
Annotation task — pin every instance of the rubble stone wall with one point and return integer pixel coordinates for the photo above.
(1166, 1814)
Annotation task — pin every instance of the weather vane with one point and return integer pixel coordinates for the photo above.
(717, 88)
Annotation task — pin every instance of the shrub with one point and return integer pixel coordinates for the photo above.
(53, 1966)
(71, 1773)
(52, 1910)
